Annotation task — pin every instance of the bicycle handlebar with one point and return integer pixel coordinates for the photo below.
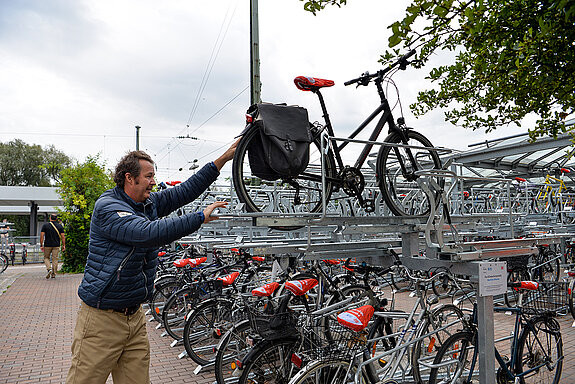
(366, 77)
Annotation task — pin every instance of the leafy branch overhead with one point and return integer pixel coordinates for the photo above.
(513, 58)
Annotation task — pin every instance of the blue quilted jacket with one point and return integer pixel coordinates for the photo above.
(125, 236)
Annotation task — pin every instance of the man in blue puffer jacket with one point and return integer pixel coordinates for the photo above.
(125, 233)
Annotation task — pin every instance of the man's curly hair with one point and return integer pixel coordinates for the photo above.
(130, 163)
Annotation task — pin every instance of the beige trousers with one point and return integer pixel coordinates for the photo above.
(109, 342)
(54, 252)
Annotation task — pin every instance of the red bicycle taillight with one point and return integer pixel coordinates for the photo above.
(249, 118)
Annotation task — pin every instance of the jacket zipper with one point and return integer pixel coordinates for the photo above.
(109, 284)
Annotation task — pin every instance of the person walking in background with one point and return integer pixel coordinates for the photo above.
(129, 223)
(50, 236)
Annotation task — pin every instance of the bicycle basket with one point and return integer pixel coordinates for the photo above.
(207, 289)
(272, 326)
(334, 343)
(550, 298)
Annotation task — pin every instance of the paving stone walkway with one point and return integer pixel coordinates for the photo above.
(37, 317)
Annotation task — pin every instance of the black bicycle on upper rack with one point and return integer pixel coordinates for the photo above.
(403, 154)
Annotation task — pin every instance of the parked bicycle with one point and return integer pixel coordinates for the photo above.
(536, 354)
(404, 153)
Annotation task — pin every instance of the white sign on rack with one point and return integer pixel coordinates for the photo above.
(492, 278)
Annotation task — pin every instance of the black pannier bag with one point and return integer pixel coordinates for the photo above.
(281, 150)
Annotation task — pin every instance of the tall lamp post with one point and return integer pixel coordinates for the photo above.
(137, 137)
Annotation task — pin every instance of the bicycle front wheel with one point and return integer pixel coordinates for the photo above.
(456, 361)
(396, 167)
(205, 326)
(302, 194)
(540, 352)
(333, 372)
(440, 324)
(270, 362)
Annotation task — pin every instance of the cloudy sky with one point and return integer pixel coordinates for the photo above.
(82, 74)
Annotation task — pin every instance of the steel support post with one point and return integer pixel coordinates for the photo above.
(486, 339)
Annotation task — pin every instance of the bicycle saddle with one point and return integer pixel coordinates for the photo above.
(300, 287)
(356, 319)
(306, 83)
(191, 262)
(265, 290)
(229, 279)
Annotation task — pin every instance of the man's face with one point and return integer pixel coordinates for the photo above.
(139, 188)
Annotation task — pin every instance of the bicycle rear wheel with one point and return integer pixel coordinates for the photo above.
(395, 171)
(302, 194)
(540, 352)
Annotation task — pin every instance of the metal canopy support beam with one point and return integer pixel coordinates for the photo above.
(533, 163)
(488, 154)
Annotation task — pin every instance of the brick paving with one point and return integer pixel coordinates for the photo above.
(37, 318)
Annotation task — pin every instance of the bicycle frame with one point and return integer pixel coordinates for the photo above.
(386, 117)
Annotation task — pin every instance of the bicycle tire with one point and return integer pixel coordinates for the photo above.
(175, 311)
(3, 262)
(232, 348)
(400, 281)
(278, 196)
(540, 339)
(570, 298)
(401, 193)
(549, 271)
(270, 362)
(444, 287)
(428, 347)
(162, 292)
(459, 349)
(381, 327)
(333, 372)
(204, 327)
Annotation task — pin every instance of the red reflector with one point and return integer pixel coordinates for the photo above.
(296, 360)
(249, 118)
(571, 274)
(239, 363)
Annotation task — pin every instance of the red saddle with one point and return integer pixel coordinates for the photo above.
(300, 287)
(306, 83)
(356, 319)
(229, 279)
(191, 262)
(265, 290)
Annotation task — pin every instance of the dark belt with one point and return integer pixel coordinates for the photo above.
(128, 311)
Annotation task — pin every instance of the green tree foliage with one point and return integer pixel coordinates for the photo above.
(513, 58)
(80, 187)
(22, 164)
